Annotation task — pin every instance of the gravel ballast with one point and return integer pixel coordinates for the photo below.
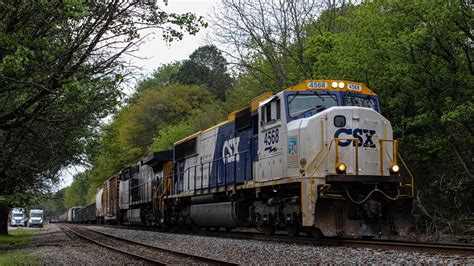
(53, 246)
(265, 252)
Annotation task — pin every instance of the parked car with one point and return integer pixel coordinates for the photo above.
(54, 219)
(18, 217)
(36, 218)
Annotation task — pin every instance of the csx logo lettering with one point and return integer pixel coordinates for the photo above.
(364, 136)
(230, 150)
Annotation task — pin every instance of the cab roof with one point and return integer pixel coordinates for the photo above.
(332, 85)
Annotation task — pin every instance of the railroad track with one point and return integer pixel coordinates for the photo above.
(430, 247)
(141, 251)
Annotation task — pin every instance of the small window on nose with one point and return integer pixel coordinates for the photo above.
(339, 121)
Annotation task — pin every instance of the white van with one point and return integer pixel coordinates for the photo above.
(18, 217)
(36, 218)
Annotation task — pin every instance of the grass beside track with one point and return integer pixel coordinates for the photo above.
(11, 246)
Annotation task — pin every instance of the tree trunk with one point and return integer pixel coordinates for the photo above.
(4, 220)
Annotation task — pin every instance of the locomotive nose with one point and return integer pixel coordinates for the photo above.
(356, 131)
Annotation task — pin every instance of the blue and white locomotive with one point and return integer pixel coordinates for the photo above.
(317, 157)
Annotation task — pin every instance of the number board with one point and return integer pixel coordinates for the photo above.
(354, 87)
(317, 85)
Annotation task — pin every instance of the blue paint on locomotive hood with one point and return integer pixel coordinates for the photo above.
(232, 155)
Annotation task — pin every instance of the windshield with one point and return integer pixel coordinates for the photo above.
(300, 104)
(36, 214)
(18, 215)
(361, 101)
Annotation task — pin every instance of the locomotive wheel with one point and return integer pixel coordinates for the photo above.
(317, 234)
(268, 229)
(292, 229)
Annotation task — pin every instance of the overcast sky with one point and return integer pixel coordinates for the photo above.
(155, 52)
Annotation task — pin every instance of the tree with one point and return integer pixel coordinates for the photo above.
(163, 76)
(418, 56)
(200, 119)
(206, 66)
(267, 38)
(52, 203)
(127, 139)
(75, 194)
(60, 71)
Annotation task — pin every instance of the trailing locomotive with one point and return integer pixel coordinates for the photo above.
(317, 157)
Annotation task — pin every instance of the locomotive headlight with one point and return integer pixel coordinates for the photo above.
(341, 85)
(334, 84)
(395, 168)
(341, 168)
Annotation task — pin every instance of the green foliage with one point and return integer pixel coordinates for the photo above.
(17, 239)
(416, 54)
(169, 135)
(163, 76)
(61, 68)
(245, 90)
(128, 138)
(52, 203)
(18, 258)
(200, 119)
(206, 66)
(75, 195)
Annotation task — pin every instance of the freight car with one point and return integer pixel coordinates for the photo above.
(86, 215)
(69, 216)
(317, 157)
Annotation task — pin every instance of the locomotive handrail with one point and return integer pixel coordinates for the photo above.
(321, 150)
(356, 142)
(336, 140)
(187, 172)
(322, 159)
(395, 147)
(410, 174)
(356, 145)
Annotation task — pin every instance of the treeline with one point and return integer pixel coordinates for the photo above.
(61, 69)
(417, 55)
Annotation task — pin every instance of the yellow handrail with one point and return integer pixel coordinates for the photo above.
(337, 156)
(395, 147)
(321, 150)
(409, 173)
(322, 159)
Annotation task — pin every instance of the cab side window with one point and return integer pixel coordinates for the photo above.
(271, 112)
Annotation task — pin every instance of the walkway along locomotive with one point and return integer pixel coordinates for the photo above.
(317, 157)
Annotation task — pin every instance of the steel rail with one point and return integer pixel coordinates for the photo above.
(201, 259)
(329, 241)
(133, 255)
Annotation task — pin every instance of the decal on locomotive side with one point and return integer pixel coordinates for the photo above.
(364, 136)
(293, 152)
(270, 140)
(230, 150)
